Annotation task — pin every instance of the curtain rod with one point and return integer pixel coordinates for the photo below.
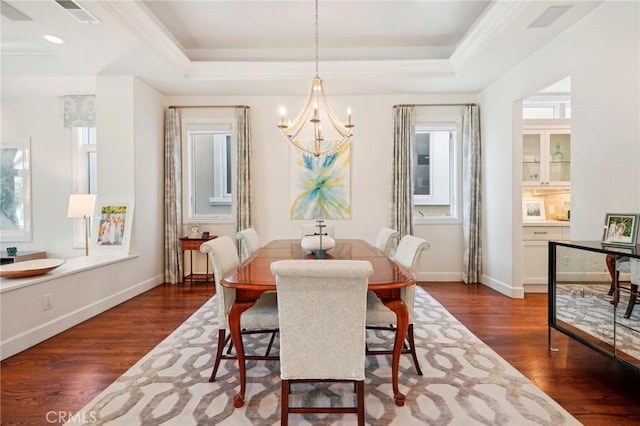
(208, 106)
(428, 105)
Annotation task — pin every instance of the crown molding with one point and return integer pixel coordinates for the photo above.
(139, 19)
(493, 21)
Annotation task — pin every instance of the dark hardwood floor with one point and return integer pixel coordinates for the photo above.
(54, 379)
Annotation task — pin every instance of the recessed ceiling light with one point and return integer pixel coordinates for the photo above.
(53, 39)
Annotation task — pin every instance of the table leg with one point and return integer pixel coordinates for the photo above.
(191, 266)
(402, 325)
(236, 336)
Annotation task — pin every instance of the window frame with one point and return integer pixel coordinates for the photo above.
(82, 182)
(205, 125)
(444, 122)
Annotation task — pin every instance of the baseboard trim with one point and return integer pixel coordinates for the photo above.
(49, 329)
(439, 276)
(536, 287)
(501, 287)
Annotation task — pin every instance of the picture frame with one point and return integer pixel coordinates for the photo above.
(112, 223)
(533, 211)
(619, 249)
(621, 229)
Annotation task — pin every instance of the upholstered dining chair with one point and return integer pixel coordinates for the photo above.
(624, 264)
(249, 241)
(379, 317)
(260, 318)
(387, 241)
(322, 308)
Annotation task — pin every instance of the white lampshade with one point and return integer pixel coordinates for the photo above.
(81, 205)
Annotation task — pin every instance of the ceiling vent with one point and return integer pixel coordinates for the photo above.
(12, 13)
(78, 12)
(549, 16)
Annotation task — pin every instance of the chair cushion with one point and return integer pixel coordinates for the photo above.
(379, 314)
(264, 314)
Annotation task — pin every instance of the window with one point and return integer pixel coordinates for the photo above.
(435, 168)
(85, 160)
(546, 109)
(208, 161)
(85, 178)
(15, 196)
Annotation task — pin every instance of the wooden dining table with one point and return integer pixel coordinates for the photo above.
(253, 277)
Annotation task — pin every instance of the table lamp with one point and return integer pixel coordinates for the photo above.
(82, 205)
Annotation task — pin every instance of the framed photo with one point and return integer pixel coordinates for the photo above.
(621, 229)
(619, 249)
(533, 210)
(112, 224)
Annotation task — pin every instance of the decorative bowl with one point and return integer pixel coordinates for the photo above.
(29, 268)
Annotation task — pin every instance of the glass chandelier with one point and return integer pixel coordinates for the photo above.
(316, 110)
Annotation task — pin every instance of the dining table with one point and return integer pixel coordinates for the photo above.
(253, 277)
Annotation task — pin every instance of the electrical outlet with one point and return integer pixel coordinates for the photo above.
(46, 302)
(564, 260)
(552, 209)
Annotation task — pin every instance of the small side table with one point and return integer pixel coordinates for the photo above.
(22, 256)
(191, 245)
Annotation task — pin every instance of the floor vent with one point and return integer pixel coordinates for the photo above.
(78, 12)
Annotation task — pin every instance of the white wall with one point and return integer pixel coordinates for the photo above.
(601, 54)
(372, 156)
(41, 120)
(131, 126)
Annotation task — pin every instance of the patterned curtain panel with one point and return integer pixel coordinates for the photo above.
(172, 198)
(244, 207)
(402, 196)
(471, 195)
(80, 111)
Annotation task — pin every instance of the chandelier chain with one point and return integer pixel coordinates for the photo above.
(317, 42)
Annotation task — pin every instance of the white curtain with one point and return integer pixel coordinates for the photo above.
(244, 209)
(172, 198)
(402, 186)
(471, 195)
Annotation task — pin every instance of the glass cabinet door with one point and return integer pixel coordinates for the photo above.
(560, 158)
(546, 157)
(531, 144)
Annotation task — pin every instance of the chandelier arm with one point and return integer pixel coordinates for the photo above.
(337, 124)
(298, 123)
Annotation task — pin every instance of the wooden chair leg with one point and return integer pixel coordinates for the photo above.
(221, 342)
(360, 401)
(284, 403)
(412, 348)
(612, 268)
(632, 300)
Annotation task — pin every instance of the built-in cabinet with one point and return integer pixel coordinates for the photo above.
(546, 176)
(546, 155)
(535, 242)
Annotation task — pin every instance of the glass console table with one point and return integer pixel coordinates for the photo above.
(589, 304)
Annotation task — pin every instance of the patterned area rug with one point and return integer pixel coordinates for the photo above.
(587, 307)
(464, 383)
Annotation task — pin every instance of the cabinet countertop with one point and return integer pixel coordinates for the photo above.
(547, 223)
